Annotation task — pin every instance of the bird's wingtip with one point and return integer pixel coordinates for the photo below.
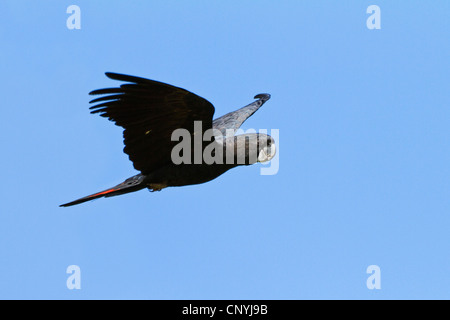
(112, 75)
(263, 96)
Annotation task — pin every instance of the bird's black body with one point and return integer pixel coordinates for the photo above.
(150, 111)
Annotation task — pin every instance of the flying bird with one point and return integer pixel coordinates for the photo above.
(150, 112)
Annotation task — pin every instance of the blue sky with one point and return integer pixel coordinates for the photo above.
(364, 177)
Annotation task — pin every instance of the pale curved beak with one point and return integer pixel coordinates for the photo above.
(267, 153)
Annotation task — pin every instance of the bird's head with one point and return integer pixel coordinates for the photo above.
(252, 147)
(266, 148)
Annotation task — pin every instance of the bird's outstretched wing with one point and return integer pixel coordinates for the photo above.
(150, 111)
(233, 120)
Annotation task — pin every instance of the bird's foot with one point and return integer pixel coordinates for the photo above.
(152, 187)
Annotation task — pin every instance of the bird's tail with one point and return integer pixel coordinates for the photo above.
(130, 185)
